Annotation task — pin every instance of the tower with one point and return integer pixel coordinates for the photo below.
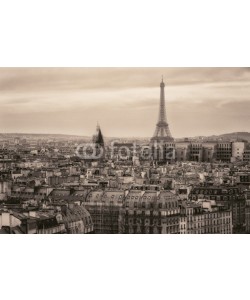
(98, 137)
(162, 132)
(162, 142)
(98, 142)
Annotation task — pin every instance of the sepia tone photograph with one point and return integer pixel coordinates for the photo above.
(124, 151)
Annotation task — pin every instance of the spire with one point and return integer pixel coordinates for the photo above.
(98, 137)
(162, 82)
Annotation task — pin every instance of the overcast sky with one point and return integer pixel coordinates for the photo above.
(125, 101)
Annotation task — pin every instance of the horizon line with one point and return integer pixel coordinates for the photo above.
(121, 137)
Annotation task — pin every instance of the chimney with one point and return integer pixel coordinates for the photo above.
(32, 214)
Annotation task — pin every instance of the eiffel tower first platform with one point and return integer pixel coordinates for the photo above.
(162, 138)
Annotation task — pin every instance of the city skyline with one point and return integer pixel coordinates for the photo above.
(125, 101)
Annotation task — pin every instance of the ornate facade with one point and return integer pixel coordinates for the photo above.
(150, 212)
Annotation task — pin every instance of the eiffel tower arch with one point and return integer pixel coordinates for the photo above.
(162, 142)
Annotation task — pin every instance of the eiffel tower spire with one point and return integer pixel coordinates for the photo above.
(162, 132)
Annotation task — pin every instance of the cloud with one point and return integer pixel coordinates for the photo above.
(125, 101)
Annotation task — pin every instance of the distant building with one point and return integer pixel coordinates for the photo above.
(246, 156)
(196, 152)
(182, 151)
(122, 151)
(224, 151)
(238, 149)
(210, 151)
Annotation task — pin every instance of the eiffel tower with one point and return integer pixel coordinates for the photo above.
(162, 133)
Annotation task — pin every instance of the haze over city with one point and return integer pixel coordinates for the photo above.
(125, 101)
